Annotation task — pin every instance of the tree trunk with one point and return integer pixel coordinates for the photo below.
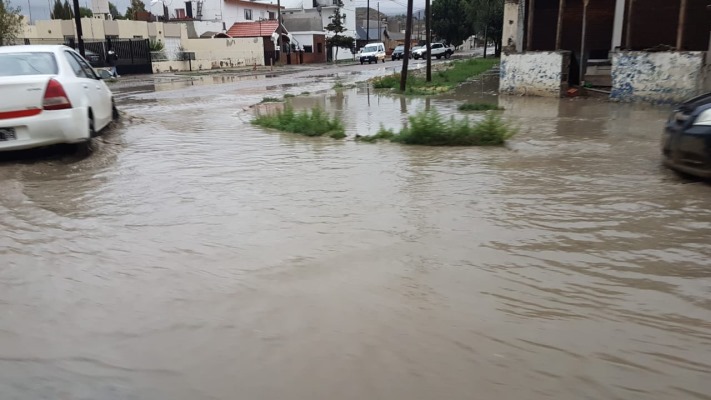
(428, 39)
(486, 39)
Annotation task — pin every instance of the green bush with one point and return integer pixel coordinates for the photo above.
(270, 100)
(289, 95)
(478, 107)
(382, 134)
(430, 129)
(313, 123)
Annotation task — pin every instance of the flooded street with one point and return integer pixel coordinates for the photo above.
(195, 256)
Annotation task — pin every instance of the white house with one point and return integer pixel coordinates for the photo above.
(325, 10)
(223, 12)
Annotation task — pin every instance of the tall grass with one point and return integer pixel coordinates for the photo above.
(429, 128)
(478, 107)
(442, 81)
(308, 123)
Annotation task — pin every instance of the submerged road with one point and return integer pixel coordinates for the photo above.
(194, 256)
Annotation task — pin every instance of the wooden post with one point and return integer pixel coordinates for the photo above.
(428, 39)
(682, 25)
(582, 41)
(529, 33)
(559, 31)
(408, 39)
(628, 36)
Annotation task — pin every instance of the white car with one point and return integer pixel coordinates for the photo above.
(50, 95)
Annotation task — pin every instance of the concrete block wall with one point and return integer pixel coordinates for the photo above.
(541, 73)
(663, 77)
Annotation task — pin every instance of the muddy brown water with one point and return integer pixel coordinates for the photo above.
(194, 256)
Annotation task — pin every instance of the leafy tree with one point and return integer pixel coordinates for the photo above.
(449, 22)
(115, 14)
(486, 19)
(134, 8)
(10, 22)
(85, 12)
(68, 13)
(336, 27)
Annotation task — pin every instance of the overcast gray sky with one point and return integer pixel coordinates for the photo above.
(40, 9)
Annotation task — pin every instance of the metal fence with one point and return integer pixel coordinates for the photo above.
(134, 55)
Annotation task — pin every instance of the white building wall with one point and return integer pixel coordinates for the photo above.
(664, 77)
(534, 73)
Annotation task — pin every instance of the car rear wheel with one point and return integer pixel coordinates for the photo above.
(114, 111)
(447, 55)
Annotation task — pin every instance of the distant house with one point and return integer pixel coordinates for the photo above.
(227, 11)
(267, 30)
(324, 10)
(650, 50)
(308, 37)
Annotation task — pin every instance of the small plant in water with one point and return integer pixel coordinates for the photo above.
(428, 128)
(305, 93)
(270, 100)
(382, 134)
(313, 123)
(478, 107)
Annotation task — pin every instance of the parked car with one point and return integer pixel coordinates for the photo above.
(398, 52)
(50, 95)
(372, 52)
(686, 145)
(438, 50)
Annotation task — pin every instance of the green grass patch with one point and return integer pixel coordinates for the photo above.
(270, 100)
(289, 95)
(305, 93)
(479, 107)
(429, 128)
(308, 123)
(382, 134)
(442, 81)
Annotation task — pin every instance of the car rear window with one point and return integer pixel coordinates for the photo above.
(27, 63)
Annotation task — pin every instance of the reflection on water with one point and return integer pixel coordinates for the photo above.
(195, 256)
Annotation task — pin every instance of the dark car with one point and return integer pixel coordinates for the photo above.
(398, 53)
(686, 144)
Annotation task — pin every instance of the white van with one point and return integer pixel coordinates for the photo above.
(372, 52)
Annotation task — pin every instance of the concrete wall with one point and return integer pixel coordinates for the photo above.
(663, 77)
(216, 53)
(510, 27)
(534, 73)
(98, 29)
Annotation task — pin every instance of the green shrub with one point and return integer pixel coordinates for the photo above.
(289, 95)
(313, 123)
(305, 93)
(270, 100)
(382, 134)
(478, 107)
(430, 129)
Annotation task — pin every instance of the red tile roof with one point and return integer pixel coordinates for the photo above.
(253, 29)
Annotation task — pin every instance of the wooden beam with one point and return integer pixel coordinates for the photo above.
(682, 25)
(582, 42)
(559, 31)
(628, 35)
(529, 33)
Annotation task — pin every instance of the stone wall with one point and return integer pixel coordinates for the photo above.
(535, 73)
(663, 77)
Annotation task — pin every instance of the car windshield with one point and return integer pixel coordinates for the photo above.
(399, 48)
(370, 49)
(28, 63)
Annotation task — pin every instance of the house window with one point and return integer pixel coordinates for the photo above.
(248, 14)
(179, 13)
(308, 49)
(272, 15)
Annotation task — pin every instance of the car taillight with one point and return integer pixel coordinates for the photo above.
(55, 98)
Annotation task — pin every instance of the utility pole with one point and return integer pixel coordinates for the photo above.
(278, 54)
(77, 22)
(408, 39)
(380, 38)
(367, 23)
(428, 39)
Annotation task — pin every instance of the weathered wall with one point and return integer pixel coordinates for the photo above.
(663, 77)
(216, 53)
(509, 37)
(534, 73)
